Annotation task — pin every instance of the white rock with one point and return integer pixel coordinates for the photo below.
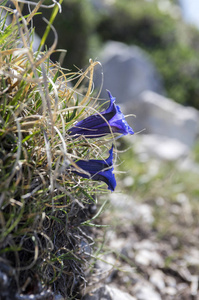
(129, 209)
(162, 116)
(108, 293)
(145, 291)
(145, 213)
(170, 281)
(169, 290)
(146, 258)
(159, 146)
(145, 244)
(157, 279)
(192, 256)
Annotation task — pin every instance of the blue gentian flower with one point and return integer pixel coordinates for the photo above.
(98, 125)
(99, 170)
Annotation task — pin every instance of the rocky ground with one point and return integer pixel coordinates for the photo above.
(151, 248)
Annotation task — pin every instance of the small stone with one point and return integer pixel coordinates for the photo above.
(145, 244)
(106, 292)
(170, 291)
(170, 281)
(157, 279)
(146, 258)
(145, 291)
(192, 257)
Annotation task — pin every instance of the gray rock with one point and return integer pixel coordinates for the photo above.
(159, 115)
(146, 258)
(127, 72)
(129, 209)
(145, 291)
(157, 279)
(147, 255)
(106, 292)
(159, 146)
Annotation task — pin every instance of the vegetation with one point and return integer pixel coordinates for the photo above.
(49, 206)
(74, 27)
(50, 177)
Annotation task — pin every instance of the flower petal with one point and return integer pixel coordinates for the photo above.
(108, 177)
(99, 170)
(99, 125)
(119, 124)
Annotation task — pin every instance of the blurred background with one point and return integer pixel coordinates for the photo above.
(166, 30)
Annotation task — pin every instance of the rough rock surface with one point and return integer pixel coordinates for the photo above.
(106, 292)
(160, 146)
(156, 114)
(127, 72)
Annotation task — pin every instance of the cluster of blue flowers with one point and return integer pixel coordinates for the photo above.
(109, 121)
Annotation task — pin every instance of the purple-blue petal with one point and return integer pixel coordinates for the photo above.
(99, 125)
(99, 170)
(119, 124)
(108, 177)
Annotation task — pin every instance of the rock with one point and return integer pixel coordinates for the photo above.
(157, 279)
(169, 290)
(127, 72)
(159, 146)
(146, 258)
(170, 281)
(129, 209)
(106, 292)
(146, 244)
(145, 291)
(192, 256)
(156, 114)
(147, 255)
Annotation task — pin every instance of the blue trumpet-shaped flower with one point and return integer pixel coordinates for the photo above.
(99, 170)
(98, 125)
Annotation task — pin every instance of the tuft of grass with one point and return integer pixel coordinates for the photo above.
(46, 211)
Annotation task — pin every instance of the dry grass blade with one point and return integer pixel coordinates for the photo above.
(44, 206)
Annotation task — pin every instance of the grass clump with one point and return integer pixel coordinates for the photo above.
(45, 207)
